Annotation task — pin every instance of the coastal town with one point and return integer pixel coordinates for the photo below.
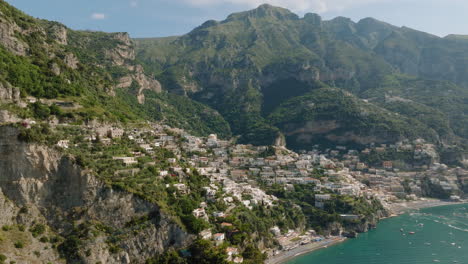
(238, 172)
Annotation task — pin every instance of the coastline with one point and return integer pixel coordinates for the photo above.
(404, 207)
(285, 256)
(396, 209)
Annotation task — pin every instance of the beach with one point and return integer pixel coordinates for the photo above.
(435, 234)
(395, 208)
(404, 207)
(305, 249)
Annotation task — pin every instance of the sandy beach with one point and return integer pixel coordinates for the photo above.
(404, 207)
(305, 249)
(395, 208)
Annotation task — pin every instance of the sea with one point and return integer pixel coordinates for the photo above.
(431, 235)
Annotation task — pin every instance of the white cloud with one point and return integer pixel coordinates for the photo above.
(133, 3)
(98, 16)
(317, 6)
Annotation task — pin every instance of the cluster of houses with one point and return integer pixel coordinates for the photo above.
(235, 171)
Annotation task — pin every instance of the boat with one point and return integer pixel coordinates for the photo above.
(411, 233)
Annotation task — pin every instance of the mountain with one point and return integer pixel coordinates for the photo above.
(109, 157)
(255, 63)
(95, 73)
(99, 164)
(333, 116)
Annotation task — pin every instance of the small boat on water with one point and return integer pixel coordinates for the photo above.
(411, 233)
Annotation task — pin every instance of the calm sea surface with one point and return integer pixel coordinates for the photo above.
(441, 236)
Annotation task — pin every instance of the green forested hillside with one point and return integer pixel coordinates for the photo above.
(250, 68)
(263, 61)
(84, 69)
(328, 115)
(439, 102)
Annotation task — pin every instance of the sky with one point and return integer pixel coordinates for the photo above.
(159, 18)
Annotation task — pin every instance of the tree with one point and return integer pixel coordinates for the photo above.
(40, 111)
(253, 255)
(204, 253)
(169, 257)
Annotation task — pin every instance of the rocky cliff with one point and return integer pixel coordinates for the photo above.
(9, 93)
(113, 226)
(351, 229)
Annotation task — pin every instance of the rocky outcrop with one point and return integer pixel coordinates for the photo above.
(15, 222)
(123, 52)
(280, 140)
(123, 37)
(55, 69)
(7, 117)
(351, 229)
(8, 39)
(145, 83)
(9, 93)
(124, 82)
(64, 194)
(60, 34)
(71, 61)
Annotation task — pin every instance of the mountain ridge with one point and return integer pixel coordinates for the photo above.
(251, 64)
(109, 156)
(95, 72)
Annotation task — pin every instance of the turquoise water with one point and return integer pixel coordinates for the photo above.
(441, 236)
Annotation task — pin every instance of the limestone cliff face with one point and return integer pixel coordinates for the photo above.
(352, 229)
(145, 83)
(8, 38)
(62, 193)
(9, 93)
(124, 55)
(121, 53)
(60, 34)
(67, 45)
(11, 218)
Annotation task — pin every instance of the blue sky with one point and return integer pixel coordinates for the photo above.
(155, 18)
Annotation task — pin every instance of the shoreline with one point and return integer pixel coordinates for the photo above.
(285, 256)
(404, 207)
(396, 209)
